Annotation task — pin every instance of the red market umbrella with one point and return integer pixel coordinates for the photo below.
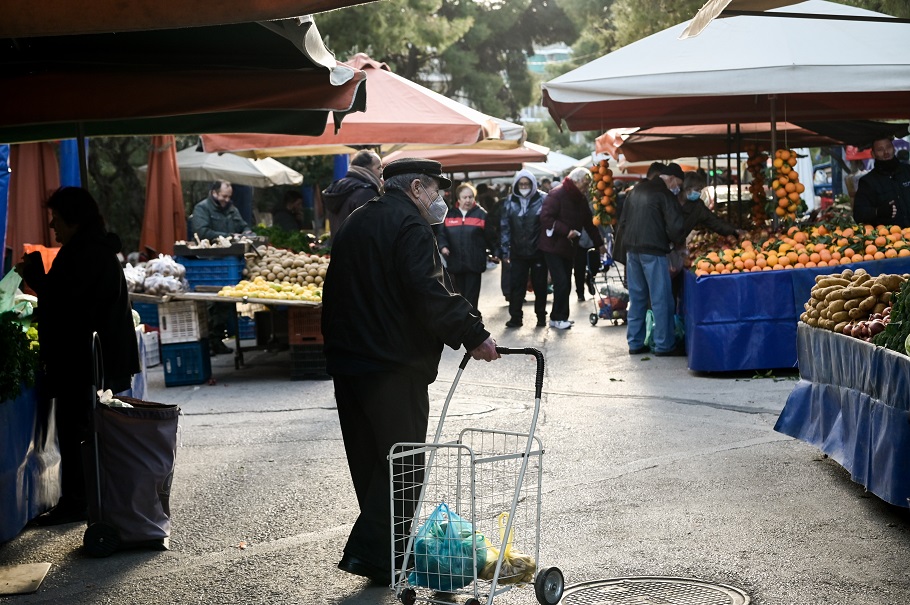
(28, 18)
(470, 160)
(34, 176)
(400, 114)
(165, 217)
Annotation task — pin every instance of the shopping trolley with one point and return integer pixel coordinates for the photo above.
(606, 282)
(129, 466)
(466, 513)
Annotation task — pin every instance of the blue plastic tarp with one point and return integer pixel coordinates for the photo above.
(853, 403)
(747, 321)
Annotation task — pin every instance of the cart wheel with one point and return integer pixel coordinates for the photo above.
(593, 319)
(408, 596)
(549, 586)
(101, 539)
(472, 601)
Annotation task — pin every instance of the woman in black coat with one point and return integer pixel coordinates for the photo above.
(84, 292)
(465, 242)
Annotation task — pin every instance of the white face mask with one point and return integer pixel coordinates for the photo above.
(437, 209)
(524, 191)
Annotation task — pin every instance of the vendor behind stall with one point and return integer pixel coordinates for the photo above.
(883, 195)
(84, 292)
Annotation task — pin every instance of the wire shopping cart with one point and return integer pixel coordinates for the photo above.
(466, 513)
(607, 283)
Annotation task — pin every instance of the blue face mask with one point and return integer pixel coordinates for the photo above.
(693, 195)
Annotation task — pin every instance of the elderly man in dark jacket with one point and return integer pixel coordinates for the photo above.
(564, 216)
(883, 195)
(650, 222)
(356, 188)
(388, 310)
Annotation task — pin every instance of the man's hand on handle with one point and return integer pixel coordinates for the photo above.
(486, 350)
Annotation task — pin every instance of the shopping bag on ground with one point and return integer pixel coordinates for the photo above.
(649, 329)
(517, 568)
(444, 552)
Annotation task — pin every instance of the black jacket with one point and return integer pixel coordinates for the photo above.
(85, 292)
(651, 219)
(879, 187)
(520, 234)
(468, 239)
(346, 195)
(386, 301)
(696, 214)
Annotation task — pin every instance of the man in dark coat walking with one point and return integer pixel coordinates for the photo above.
(356, 188)
(564, 216)
(388, 309)
(883, 195)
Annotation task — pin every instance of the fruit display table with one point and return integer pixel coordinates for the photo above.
(747, 321)
(853, 403)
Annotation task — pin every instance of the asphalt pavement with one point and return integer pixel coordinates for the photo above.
(650, 470)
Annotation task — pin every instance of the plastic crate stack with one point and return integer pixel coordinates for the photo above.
(305, 339)
(246, 327)
(219, 272)
(183, 328)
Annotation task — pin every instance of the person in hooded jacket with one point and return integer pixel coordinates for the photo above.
(520, 233)
(84, 292)
(883, 195)
(360, 185)
(465, 241)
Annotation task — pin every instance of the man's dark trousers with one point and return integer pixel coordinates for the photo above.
(375, 412)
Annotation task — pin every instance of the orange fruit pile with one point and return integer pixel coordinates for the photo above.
(603, 194)
(816, 246)
(787, 199)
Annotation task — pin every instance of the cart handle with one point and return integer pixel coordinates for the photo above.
(98, 363)
(538, 379)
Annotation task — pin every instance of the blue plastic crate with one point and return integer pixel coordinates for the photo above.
(148, 313)
(225, 271)
(247, 327)
(186, 363)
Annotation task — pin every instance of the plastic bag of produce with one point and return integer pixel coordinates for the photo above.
(444, 552)
(9, 287)
(517, 568)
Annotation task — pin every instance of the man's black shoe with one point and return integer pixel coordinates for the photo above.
(542, 322)
(513, 323)
(358, 567)
(61, 515)
(639, 351)
(675, 352)
(581, 298)
(218, 347)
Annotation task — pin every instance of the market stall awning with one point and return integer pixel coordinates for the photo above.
(195, 165)
(715, 9)
(30, 18)
(263, 77)
(742, 70)
(470, 160)
(399, 115)
(661, 142)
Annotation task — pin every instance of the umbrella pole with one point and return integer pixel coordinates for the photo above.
(83, 157)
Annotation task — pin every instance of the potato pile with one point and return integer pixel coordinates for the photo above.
(280, 266)
(842, 298)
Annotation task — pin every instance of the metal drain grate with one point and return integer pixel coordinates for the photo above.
(653, 591)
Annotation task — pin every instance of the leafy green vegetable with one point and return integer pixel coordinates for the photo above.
(896, 332)
(21, 353)
(297, 241)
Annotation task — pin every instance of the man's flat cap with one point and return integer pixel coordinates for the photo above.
(673, 169)
(416, 166)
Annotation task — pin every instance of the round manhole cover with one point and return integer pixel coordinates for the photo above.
(653, 591)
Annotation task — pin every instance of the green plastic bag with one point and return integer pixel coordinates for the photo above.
(444, 552)
(679, 330)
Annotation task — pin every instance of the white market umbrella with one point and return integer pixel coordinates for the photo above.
(200, 166)
(744, 69)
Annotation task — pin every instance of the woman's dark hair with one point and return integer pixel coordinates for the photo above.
(76, 206)
(693, 180)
